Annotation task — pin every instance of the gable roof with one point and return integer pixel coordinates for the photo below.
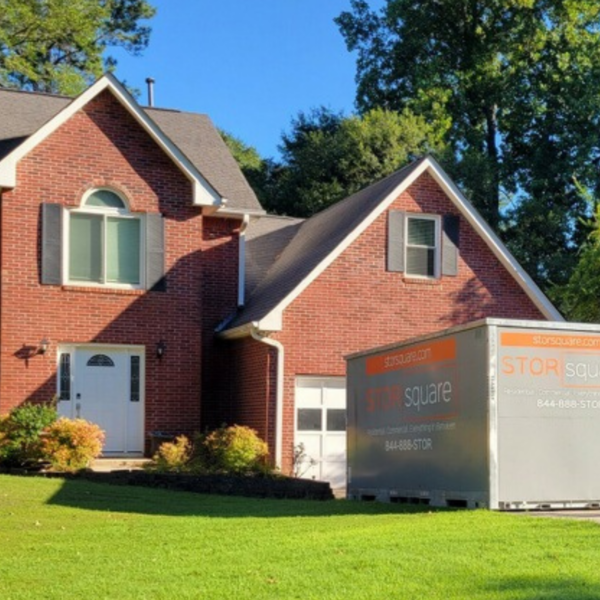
(190, 139)
(322, 238)
(197, 137)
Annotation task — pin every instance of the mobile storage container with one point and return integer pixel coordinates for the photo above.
(495, 413)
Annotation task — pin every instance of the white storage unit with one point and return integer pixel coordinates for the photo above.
(320, 426)
(496, 413)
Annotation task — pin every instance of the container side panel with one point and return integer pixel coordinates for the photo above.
(417, 418)
(548, 416)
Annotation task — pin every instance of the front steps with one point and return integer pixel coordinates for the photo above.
(108, 464)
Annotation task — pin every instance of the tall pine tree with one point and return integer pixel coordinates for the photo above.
(59, 45)
(519, 81)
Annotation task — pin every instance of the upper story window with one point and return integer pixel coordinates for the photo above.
(105, 242)
(423, 246)
(101, 243)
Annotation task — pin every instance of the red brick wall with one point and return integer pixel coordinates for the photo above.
(356, 304)
(103, 145)
(254, 387)
(220, 258)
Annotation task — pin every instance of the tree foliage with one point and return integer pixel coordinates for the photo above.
(516, 84)
(260, 173)
(59, 45)
(579, 298)
(327, 156)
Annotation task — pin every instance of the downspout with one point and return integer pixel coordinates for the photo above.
(278, 390)
(242, 261)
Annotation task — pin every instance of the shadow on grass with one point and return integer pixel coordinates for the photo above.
(151, 501)
(538, 587)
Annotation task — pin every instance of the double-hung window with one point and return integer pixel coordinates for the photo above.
(422, 246)
(105, 243)
(102, 243)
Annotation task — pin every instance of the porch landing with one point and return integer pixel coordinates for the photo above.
(113, 463)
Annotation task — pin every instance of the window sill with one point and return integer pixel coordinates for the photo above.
(423, 281)
(102, 290)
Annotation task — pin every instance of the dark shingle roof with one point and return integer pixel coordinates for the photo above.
(23, 113)
(196, 136)
(266, 238)
(315, 239)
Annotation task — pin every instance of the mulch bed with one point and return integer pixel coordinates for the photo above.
(229, 485)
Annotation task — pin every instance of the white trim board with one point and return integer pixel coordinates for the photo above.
(203, 192)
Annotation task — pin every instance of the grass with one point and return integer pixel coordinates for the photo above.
(76, 539)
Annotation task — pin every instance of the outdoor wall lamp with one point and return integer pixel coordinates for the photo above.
(43, 346)
(160, 349)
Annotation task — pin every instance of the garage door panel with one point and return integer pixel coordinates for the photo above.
(308, 396)
(335, 397)
(335, 473)
(334, 448)
(312, 445)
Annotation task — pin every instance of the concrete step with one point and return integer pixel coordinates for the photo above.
(107, 464)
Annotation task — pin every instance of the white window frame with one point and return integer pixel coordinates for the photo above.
(321, 383)
(437, 257)
(105, 212)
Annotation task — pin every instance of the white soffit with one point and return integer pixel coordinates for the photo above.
(274, 319)
(203, 193)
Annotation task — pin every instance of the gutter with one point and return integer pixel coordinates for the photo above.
(242, 260)
(256, 334)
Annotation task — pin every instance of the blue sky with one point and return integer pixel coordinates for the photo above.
(250, 65)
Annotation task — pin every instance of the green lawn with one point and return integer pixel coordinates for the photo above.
(76, 539)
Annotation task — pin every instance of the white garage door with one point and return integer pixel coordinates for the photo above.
(321, 429)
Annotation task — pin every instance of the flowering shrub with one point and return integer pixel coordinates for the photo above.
(71, 444)
(20, 430)
(232, 450)
(236, 449)
(172, 456)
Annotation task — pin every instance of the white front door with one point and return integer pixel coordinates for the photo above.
(106, 389)
(321, 429)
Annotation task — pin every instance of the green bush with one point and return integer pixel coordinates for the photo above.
(71, 444)
(172, 457)
(230, 450)
(20, 431)
(236, 449)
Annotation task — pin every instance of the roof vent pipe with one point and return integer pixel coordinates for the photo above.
(150, 82)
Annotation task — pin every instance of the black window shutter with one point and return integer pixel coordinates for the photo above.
(395, 254)
(155, 253)
(450, 245)
(51, 272)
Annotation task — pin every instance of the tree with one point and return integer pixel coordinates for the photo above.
(58, 46)
(327, 156)
(261, 174)
(518, 81)
(579, 298)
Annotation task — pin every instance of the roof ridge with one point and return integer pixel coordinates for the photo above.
(65, 97)
(412, 164)
(174, 110)
(35, 93)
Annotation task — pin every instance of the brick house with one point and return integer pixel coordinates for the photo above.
(142, 282)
